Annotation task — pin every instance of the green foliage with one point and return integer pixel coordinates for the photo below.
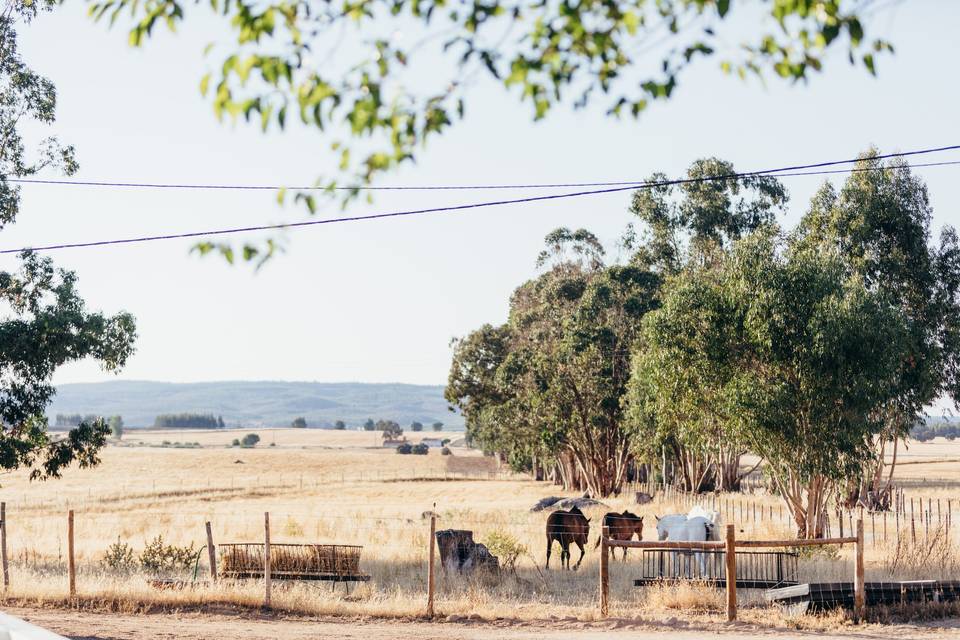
(340, 425)
(69, 420)
(391, 429)
(416, 426)
(188, 421)
(158, 557)
(881, 218)
(250, 440)
(420, 449)
(685, 222)
(299, 423)
(369, 425)
(43, 321)
(783, 350)
(924, 432)
(235, 443)
(43, 326)
(405, 448)
(545, 53)
(437, 426)
(506, 548)
(116, 426)
(119, 557)
(550, 381)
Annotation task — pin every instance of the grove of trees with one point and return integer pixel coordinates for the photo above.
(720, 334)
(188, 421)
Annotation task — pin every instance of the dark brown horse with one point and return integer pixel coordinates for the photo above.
(622, 526)
(567, 527)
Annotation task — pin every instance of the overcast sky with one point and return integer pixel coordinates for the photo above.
(380, 301)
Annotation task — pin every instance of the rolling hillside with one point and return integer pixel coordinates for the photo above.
(259, 403)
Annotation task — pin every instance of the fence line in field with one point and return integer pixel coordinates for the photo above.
(75, 581)
(297, 482)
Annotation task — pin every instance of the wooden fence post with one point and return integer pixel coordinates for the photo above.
(266, 559)
(431, 563)
(71, 566)
(731, 558)
(859, 597)
(212, 552)
(604, 572)
(3, 544)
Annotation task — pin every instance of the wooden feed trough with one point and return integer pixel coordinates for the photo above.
(332, 562)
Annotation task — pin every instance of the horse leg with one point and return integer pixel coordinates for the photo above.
(549, 546)
(583, 552)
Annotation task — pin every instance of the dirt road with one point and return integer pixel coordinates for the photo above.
(205, 626)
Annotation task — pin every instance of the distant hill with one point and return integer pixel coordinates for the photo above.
(259, 403)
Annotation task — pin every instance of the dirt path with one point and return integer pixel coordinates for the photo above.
(205, 626)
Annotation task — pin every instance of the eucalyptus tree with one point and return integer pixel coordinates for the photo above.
(43, 321)
(548, 384)
(787, 349)
(879, 223)
(689, 226)
(355, 69)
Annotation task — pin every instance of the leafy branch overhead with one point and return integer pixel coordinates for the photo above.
(384, 77)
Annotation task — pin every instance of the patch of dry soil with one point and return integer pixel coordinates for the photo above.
(85, 625)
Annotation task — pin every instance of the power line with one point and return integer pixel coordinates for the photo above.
(779, 173)
(471, 187)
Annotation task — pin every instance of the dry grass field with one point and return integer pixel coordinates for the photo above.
(341, 487)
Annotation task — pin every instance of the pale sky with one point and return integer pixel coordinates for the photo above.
(380, 301)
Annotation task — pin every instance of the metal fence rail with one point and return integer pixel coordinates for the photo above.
(755, 569)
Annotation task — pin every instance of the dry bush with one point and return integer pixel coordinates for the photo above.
(930, 557)
(694, 597)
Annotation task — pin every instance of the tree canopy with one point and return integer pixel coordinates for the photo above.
(722, 334)
(44, 322)
(354, 69)
(787, 353)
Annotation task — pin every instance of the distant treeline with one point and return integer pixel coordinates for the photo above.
(70, 420)
(925, 432)
(391, 426)
(188, 421)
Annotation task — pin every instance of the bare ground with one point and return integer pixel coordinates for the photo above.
(84, 625)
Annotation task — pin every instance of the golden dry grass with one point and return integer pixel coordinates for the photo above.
(334, 487)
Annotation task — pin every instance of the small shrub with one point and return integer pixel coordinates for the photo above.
(250, 440)
(158, 557)
(445, 441)
(235, 443)
(420, 449)
(273, 444)
(292, 528)
(446, 451)
(405, 448)
(119, 557)
(166, 443)
(507, 549)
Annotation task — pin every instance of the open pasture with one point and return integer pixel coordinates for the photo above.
(335, 487)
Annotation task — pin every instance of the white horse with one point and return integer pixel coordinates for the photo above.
(699, 525)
